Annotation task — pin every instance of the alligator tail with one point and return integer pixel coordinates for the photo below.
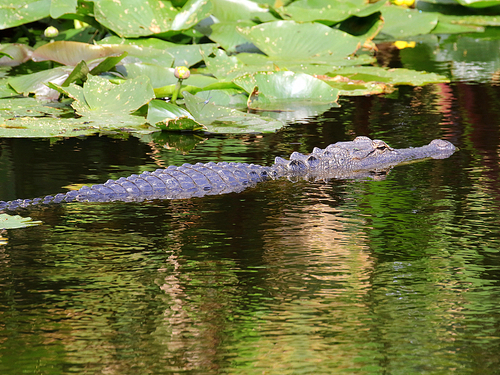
(173, 182)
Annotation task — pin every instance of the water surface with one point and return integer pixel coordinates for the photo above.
(397, 275)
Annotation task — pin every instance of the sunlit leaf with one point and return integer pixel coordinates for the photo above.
(15, 13)
(99, 97)
(37, 82)
(218, 119)
(478, 3)
(60, 7)
(15, 221)
(168, 116)
(30, 107)
(288, 86)
(326, 10)
(14, 54)
(107, 64)
(144, 17)
(292, 41)
(79, 73)
(396, 76)
(191, 13)
(226, 35)
(401, 23)
(232, 11)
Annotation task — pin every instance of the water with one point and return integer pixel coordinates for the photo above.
(393, 276)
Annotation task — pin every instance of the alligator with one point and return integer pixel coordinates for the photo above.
(360, 158)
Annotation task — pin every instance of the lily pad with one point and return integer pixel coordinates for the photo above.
(402, 23)
(37, 82)
(227, 36)
(326, 10)
(29, 107)
(100, 98)
(219, 119)
(14, 54)
(396, 76)
(15, 221)
(285, 86)
(231, 11)
(168, 116)
(306, 42)
(192, 12)
(16, 13)
(146, 17)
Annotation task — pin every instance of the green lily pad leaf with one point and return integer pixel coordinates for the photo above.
(147, 17)
(478, 3)
(37, 82)
(481, 20)
(292, 41)
(228, 98)
(99, 97)
(168, 116)
(6, 90)
(224, 67)
(107, 64)
(43, 127)
(161, 76)
(15, 221)
(218, 119)
(185, 55)
(287, 86)
(453, 28)
(397, 76)
(61, 7)
(401, 23)
(30, 107)
(15, 13)
(232, 11)
(79, 73)
(14, 54)
(226, 35)
(191, 13)
(326, 10)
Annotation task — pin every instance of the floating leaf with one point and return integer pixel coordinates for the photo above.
(15, 221)
(30, 107)
(231, 11)
(37, 82)
(226, 35)
(15, 13)
(292, 41)
(191, 13)
(401, 23)
(168, 116)
(14, 54)
(286, 86)
(326, 10)
(218, 119)
(99, 97)
(146, 17)
(396, 76)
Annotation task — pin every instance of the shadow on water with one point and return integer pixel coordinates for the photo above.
(388, 276)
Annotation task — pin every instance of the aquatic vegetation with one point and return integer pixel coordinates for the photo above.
(116, 61)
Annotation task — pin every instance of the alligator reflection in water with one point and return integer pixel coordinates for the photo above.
(359, 158)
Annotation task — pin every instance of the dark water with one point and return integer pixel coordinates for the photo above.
(393, 276)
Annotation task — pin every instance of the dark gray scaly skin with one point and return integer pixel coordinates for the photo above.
(360, 158)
